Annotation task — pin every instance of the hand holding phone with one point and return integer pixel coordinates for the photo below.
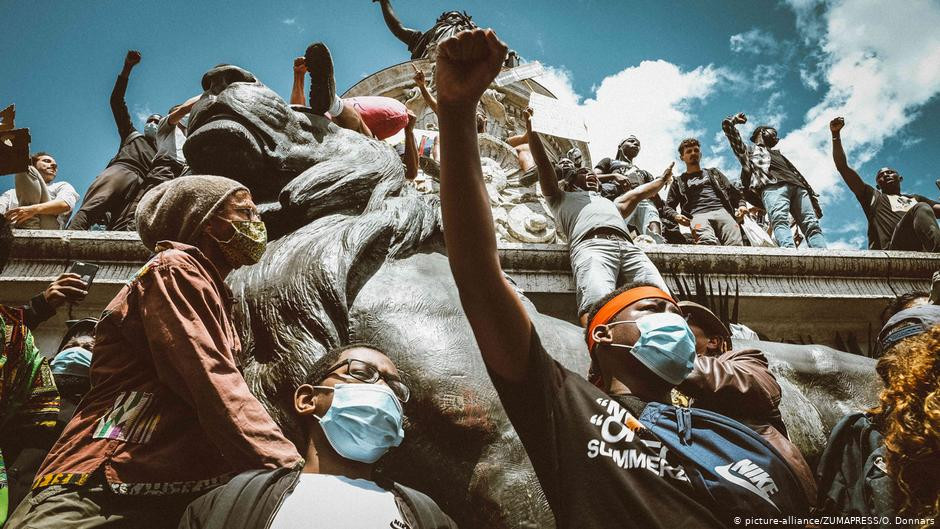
(71, 286)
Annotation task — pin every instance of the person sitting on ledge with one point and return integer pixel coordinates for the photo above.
(710, 203)
(169, 415)
(36, 202)
(119, 181)
(626, 176)
(351, 408)
(896, 221)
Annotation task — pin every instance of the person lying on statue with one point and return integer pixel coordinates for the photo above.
(372, 116)
(351, 409)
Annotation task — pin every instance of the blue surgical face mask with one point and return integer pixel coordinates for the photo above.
(150, 130)
(666, 345)
(364, 421)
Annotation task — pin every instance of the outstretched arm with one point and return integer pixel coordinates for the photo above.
(297, 90)
(627, 202)
(406, 35)
(122, 118)
(851, 178)
(729, 126)
(174, 117)
(466, 64)
(423, 87)
(548, 182)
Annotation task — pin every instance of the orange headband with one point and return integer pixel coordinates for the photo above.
(612, 307)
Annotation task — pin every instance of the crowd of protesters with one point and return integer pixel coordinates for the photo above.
(143, 418)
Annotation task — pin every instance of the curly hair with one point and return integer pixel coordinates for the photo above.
(908, 414)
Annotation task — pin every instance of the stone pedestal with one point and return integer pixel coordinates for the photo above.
(829, 297)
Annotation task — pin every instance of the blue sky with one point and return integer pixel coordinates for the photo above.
(662, 70)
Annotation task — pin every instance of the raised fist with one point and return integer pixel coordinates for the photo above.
(412, 118)
(419, 76)
(466, 65)
(836, 124)
(527, 114)
(132, 57)
(739, 119)
(300, 66)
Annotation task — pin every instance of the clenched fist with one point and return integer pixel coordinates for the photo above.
(466, 65)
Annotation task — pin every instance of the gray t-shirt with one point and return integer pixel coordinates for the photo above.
(579, 212)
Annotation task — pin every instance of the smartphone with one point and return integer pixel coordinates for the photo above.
(87, 271)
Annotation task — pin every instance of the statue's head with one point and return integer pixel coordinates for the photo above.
(298, 165)
(458, 19)
(244, 130)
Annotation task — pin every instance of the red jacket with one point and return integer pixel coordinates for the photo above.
(739, 384)
(169, 411)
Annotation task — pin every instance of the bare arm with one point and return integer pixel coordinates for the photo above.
(851, 178)
(174, 117)
(548, 182)
(627, 202)
(297, 90)
(466, 65)
(406, 35)
(411, 149)
(423, 87)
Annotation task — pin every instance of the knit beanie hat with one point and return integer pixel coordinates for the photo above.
(177, 210)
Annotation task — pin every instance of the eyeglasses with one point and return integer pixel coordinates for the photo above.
(368, 373)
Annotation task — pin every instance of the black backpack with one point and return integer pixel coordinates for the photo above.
(852, 476)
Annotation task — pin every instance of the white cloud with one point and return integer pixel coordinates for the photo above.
(766, 76)
(558, 82)
(853, 243)
(142, 112)
(754, 41)
(652, 101)
(289, 21)
(881, 67)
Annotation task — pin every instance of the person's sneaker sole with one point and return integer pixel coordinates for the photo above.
(322, 86)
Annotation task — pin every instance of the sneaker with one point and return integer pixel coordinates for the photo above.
(322, 86)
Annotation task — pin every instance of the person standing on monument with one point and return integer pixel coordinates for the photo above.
(896, 221)
(36, 202)
(602, 254)
(776, 183)
(623, 172)
(710, 203)
(110, 190)
(169, 415)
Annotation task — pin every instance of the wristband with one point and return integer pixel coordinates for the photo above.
(836, 138)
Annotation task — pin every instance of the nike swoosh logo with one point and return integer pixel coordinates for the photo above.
(725, 472)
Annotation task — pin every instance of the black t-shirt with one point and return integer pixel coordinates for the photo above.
(701, 193)
(135, 153)
(884, 212)
(781, 169)
(635, 175)
(596, 471)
